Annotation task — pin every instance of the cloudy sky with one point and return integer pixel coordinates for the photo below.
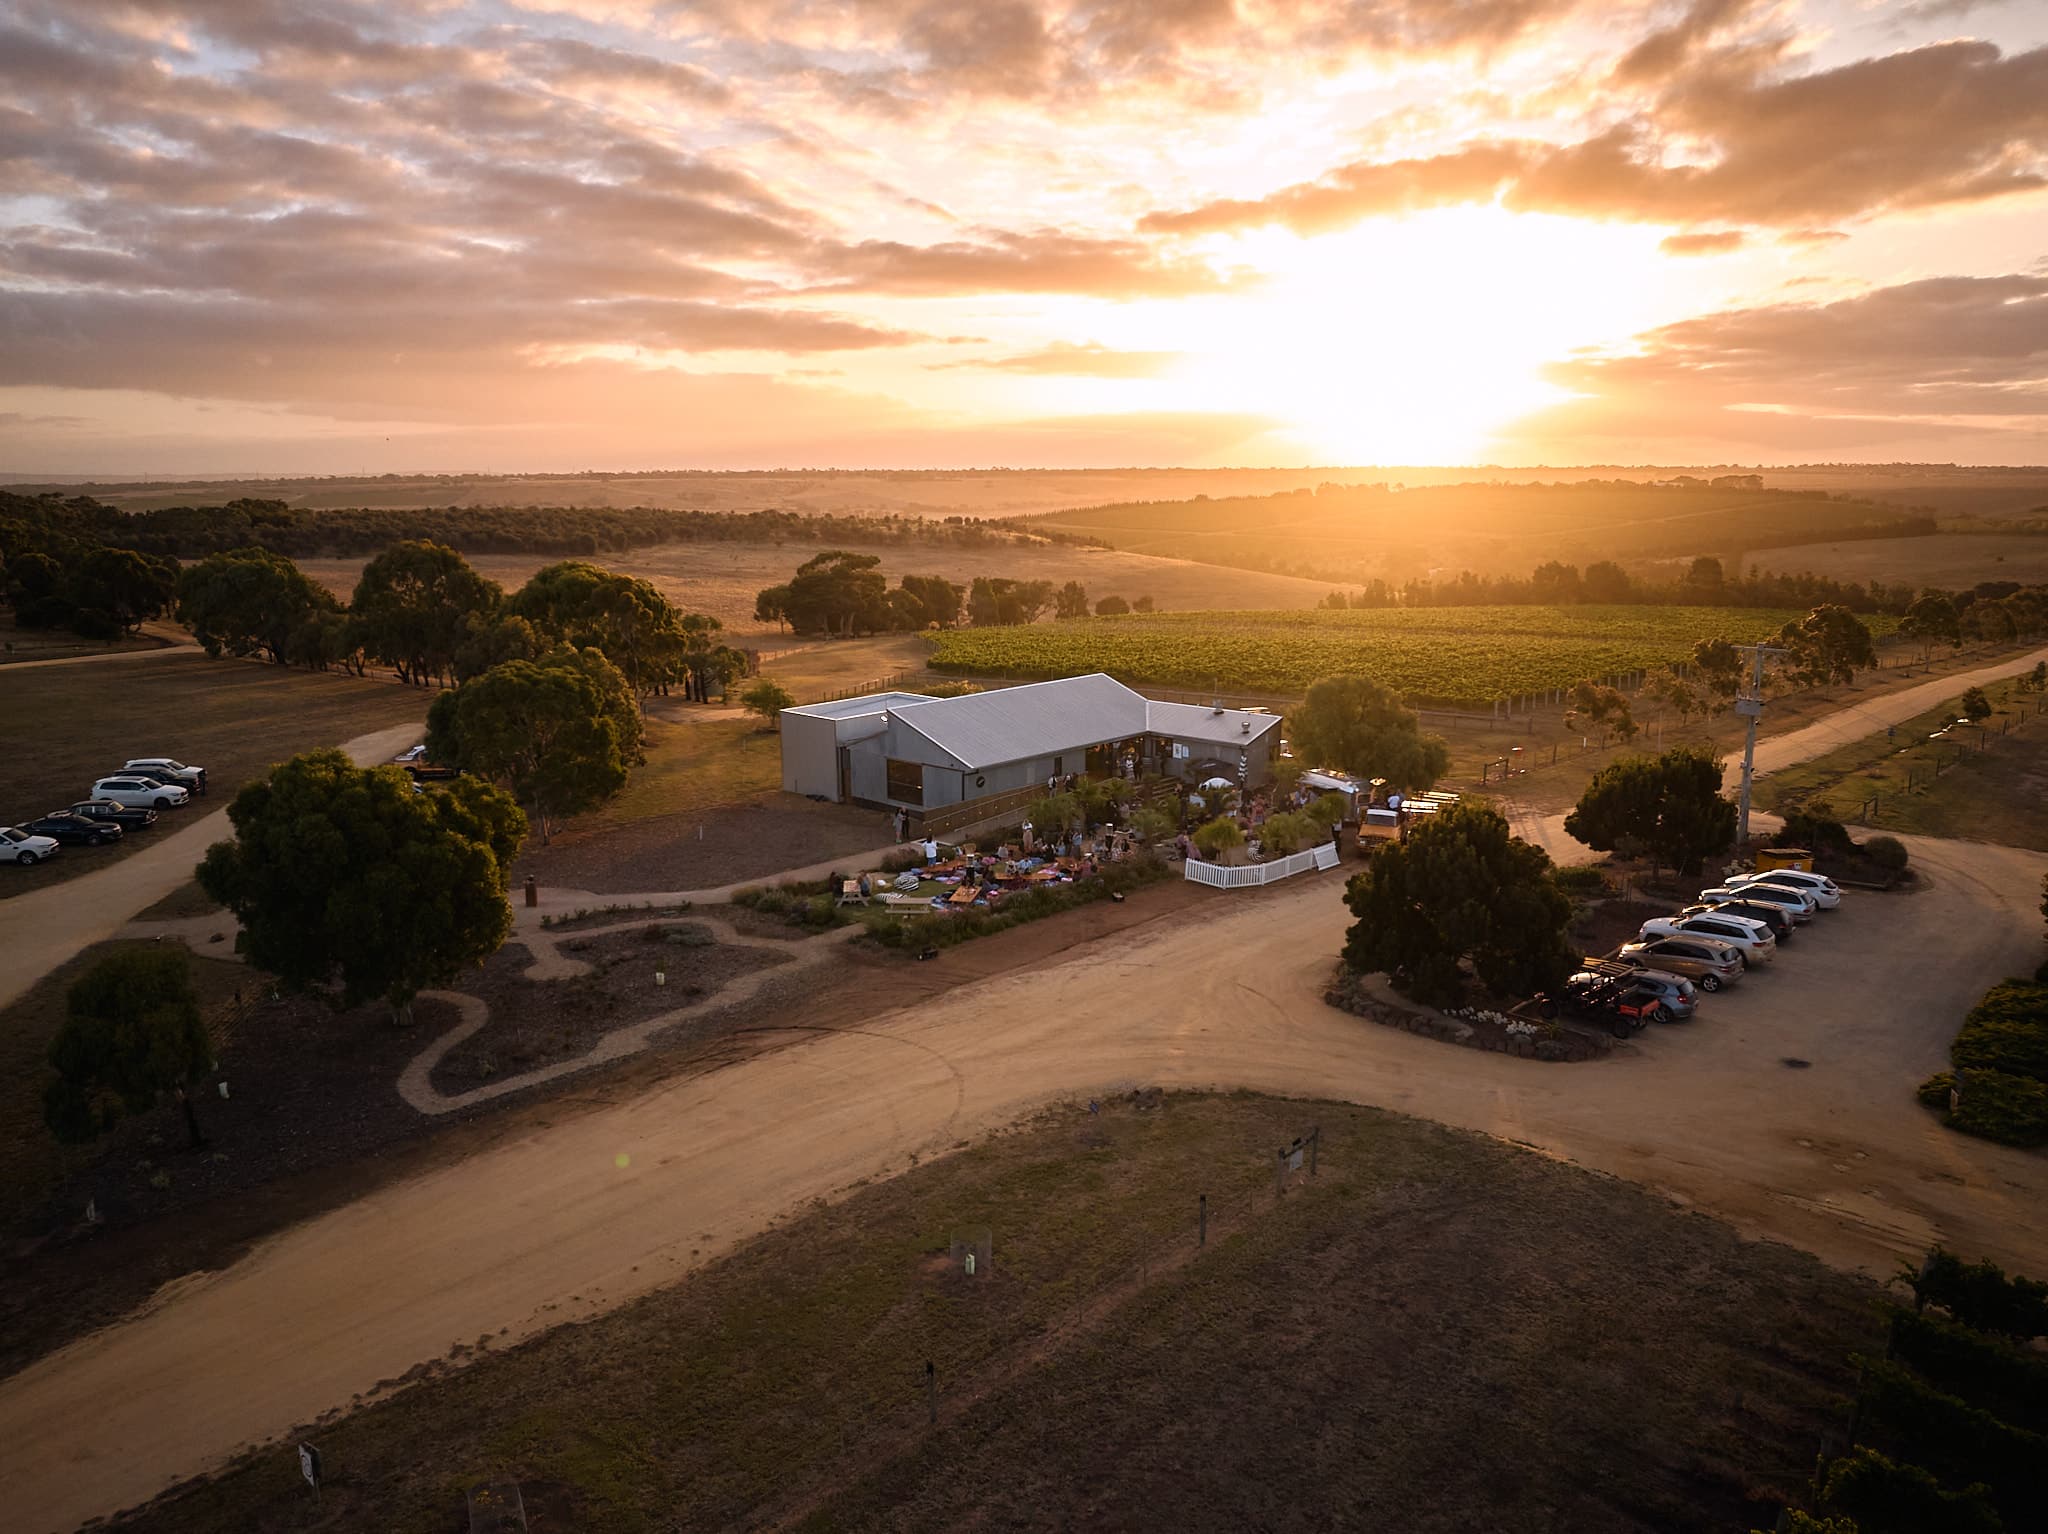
(322, 236)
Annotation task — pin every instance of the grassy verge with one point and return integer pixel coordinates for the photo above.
(1439, 1332)
(184, 901)
(66, 726)
(1988, 784)
(693, 763)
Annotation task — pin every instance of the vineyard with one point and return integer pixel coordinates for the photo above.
(1453, 656)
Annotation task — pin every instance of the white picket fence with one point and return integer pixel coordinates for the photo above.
(1219, 877)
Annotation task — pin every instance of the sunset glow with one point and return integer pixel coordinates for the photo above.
(273, 235)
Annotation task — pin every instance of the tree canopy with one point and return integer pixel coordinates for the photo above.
(1459, 887)
(347, 880)
(417, 604)
(1354, 724)
(249, 601)
(1070, 601)
(1668, 806)
(766, 700)
(1830, 644)
(132, 1032)
(560, 732)
(1932, 617)
(583, 605)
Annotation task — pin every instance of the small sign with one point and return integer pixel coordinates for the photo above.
(1294, 1162)
(309, 1465)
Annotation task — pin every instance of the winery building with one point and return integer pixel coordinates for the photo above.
(899, 750)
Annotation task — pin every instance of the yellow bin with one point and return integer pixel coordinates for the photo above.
(1784, 857)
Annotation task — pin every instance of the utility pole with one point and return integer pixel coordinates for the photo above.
(1750, 705)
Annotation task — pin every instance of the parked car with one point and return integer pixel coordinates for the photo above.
(140, 792)
(1616, 1003)
(193, 778)
(69, 830)
(423, 771)
(1776, 917)
(1797, 903)
(1706, 961)
(1680, 996)
(1751, 939)
(18, 846)
(1826, 893)
(113, 814)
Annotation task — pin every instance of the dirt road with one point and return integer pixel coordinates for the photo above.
(48, 926)
(1832, 1155)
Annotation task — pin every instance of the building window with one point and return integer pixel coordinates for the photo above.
(906, 781)
(1180, 751)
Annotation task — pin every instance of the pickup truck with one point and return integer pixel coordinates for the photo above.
(423, 771)
(170, 770)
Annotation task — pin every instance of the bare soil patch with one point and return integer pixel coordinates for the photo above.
(533, 1024)
(1440, 1332)
(703, 848)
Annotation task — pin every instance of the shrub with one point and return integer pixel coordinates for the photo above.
(1580, 879)
(1289, 832)
(1155, 822)
(1886, 1498)
(1219, 836)
(1957, 1441)
(1980, 1295)
(2012, 1110)
(948, 689)
(1988, 1371)
(1887, 852)
(1327, 811)
(932, 929)
(2007, 1031)
(1816, 831)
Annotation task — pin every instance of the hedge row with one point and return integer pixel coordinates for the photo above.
(1998, 1375)
(2001, 1060)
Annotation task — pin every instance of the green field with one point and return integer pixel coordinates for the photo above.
(1443, 655)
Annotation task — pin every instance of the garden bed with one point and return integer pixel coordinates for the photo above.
(538, 1023)
(1370, 996)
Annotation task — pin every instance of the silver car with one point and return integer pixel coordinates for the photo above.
(1797, 904)
(1706, 961)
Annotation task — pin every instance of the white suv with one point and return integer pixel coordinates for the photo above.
(17, 846)
(193, 778)
(1825, 892)
(138, 794)
(1752, 939)
(1797, 904)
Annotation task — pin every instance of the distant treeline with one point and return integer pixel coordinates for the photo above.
(191, 532)
(1704, 584)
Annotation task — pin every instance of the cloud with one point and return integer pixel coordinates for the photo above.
(1942, 359)
(1949, 124)
(1065, 358)
(1705, 242)
(1036, 261)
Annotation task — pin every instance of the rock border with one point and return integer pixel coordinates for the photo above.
(1371, 997)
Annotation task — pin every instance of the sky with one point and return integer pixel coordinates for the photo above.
(323, 236)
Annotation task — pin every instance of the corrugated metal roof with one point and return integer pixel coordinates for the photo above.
(1012, 724)
(1191, 721)
(867, 703)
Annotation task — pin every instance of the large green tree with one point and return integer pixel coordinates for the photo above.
(1458, 887)
(128, 587)
(1354, 724)
(1932, 617)
(708, 663)
(1669, 806)
(248, 601)
(415, 605)
(132, 1033)
(348, 881)
(561, 731)
(583, 605)
(1830, 644)
(834, 592)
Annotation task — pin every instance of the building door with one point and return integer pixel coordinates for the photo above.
(845, 776)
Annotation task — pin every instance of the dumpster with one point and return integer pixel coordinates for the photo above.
(1784, 857)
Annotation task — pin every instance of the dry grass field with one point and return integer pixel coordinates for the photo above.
(1438, 1332)
(1953, 560)
(722, 579)
(68, 725)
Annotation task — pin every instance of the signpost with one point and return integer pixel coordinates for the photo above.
(309, 1467)
(1290, 1156)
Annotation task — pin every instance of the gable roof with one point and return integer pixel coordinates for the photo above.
(852, 708)
(1193, 721)
(986, 729)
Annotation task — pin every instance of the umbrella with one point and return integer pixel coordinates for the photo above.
(1217, 783)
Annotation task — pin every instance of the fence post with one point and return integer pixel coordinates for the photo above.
(1202, 1235)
